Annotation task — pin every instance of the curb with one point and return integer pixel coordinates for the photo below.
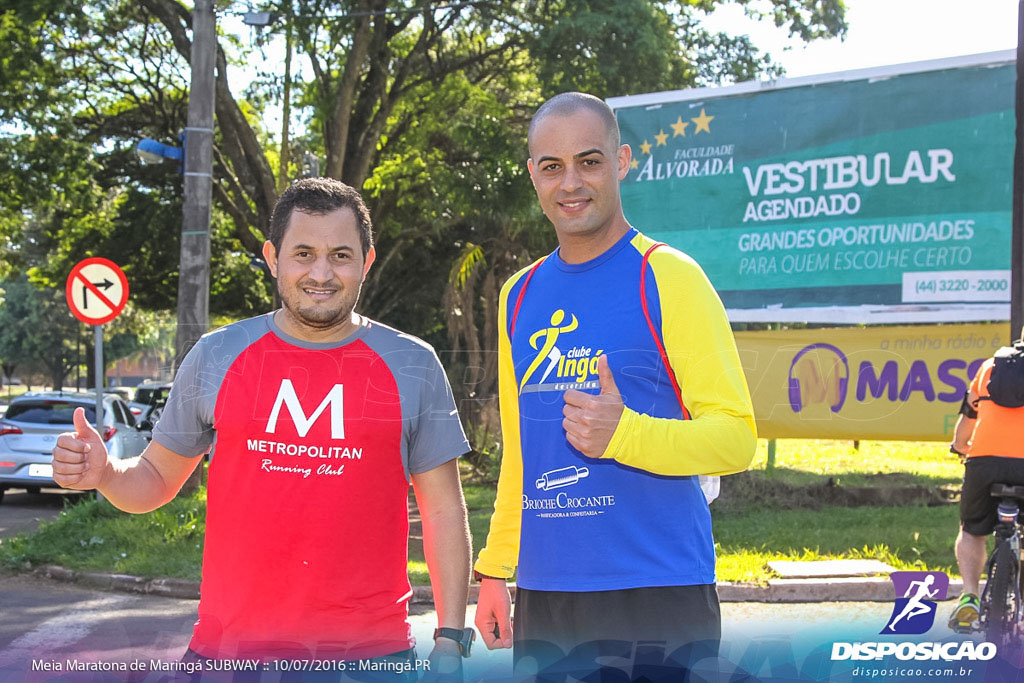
(839, 589)
(855, 589)
(126, 583)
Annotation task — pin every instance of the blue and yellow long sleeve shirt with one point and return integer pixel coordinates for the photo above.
(636, 516)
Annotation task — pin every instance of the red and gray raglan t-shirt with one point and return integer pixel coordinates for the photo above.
(307, 523)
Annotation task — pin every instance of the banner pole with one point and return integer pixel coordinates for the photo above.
(1017, 240)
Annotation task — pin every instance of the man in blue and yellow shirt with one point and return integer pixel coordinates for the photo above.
(619, 384)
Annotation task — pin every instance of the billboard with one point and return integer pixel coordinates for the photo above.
(881, 195)
(897, 382)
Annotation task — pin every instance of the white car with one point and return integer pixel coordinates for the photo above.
(34, 420)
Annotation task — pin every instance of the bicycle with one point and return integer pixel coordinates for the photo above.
(1001, 611)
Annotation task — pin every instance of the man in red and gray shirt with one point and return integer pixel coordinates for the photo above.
(320, 419)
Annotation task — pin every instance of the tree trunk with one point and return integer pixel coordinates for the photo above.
(89, 350)
(194, 481)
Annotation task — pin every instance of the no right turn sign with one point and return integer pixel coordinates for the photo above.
(96, 290)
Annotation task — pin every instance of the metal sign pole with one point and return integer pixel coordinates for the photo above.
(98, 330)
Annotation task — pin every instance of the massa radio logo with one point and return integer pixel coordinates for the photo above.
(818, 374)
(558, 363)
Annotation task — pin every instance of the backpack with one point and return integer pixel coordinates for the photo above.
(1006, 382)
(710, 485)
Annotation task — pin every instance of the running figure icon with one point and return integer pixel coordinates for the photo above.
(915, 605)
(548, 349)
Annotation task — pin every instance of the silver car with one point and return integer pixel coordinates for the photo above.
(34, 420)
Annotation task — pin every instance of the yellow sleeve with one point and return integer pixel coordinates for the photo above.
(500, 554)
(721, 436)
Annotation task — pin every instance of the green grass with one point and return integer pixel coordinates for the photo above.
(95, 536)
(912, 537)
(905, 537)
(801, 462)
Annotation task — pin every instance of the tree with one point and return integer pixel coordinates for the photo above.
(423, 108)
(36, 328)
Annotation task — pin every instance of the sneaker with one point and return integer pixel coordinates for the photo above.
(965, 613)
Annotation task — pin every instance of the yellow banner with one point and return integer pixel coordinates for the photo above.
(900, 383)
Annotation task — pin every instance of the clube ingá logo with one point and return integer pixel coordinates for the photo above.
(916, 596)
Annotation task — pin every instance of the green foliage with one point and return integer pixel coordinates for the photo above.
(38, 330)
(39, 334)
(102, 79)
(93, 535)
(610, 47)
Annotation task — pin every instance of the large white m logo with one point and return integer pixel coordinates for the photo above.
(286, 395)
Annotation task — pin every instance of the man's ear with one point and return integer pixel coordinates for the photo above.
(625, 155)
(371, 256)
(270, 257)
(529, 167)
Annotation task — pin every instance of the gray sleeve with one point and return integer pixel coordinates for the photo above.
(186, 425)
(436, 434)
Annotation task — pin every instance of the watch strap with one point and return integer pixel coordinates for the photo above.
(462, 636)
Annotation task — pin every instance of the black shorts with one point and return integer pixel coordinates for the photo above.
(655, 633)
(977, 506)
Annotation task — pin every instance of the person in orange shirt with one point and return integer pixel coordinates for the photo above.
(991, 437)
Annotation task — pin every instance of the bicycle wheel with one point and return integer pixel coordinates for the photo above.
(1002, 600)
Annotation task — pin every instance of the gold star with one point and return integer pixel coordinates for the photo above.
(662, 138)
(645, 147)
(679, 127)
(634, 164)
(702, 122)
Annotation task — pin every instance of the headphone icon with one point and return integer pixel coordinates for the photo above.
(795, 399)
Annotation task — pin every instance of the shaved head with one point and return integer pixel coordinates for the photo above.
(569, 103)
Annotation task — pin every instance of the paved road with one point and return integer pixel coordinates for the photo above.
(48, 621)
(21, 512)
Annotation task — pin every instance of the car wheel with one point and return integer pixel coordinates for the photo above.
(1, 494)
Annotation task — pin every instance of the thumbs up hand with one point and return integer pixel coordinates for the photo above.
(591, 420)
(79, 458)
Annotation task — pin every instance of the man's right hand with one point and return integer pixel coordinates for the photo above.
(80, 457)
(494, 611)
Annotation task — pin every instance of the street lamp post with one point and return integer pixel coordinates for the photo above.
(194, 269)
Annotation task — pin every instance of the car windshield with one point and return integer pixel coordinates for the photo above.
(52, 411)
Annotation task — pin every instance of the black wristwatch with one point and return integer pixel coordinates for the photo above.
(463, 637)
